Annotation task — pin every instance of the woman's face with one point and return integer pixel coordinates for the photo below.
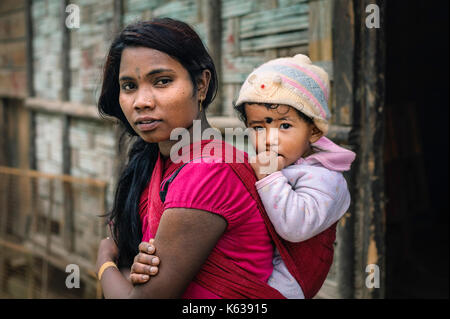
(156, 93)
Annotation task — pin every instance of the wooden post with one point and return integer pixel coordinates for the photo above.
(358, 71)
(3, 157)
(368, 131)
(120, 134)
(213, 26)
(343, 52)
(330, 31)
(104, 231)
(4, 187)
(29, 40)
(68, 223)
(320, 26)
(32, 128)
(118, 16)
(23, 194)
(30, 275)
(65, 53)
(15, 150)
(105, 228)
(48, 241)
(342, 48)
(68, 228)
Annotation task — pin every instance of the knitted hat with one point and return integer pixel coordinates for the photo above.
(292, 81)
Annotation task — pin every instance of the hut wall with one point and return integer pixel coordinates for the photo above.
(66, 135)
(73, 143)
(13, 61)
(14, 118)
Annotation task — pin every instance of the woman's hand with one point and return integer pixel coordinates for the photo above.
(107, 251)
(145, 263)
(185, 238)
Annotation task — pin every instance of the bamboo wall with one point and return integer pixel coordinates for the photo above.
(60, 77)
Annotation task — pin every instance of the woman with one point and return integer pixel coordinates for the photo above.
(158, 77)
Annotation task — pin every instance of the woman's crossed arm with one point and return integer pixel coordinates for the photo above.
(185, 238)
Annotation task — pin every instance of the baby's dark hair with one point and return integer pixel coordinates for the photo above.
(240, 109)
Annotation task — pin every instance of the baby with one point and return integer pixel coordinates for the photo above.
(285, 104)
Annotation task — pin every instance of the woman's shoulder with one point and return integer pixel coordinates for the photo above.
(213, 187)
(214, 174)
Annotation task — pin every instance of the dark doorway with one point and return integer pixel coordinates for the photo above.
(416, 149)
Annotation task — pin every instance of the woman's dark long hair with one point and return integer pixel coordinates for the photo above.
(181, 42)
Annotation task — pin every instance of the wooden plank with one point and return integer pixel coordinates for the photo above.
(222, 122)
(13, 83)
(68, 231)
(230, 94)
(63, 178)
(29, 48)
(13, 55)
(263, 27)
(4, 192)
(236, 70)
(320, 30)
(230, 37)
(12, 26)
(32, 137)
(22, 190)
(184, 10)
(327, 66)
(48, 242)
(320, 39)
(286, 3)
(120, 7)
(342, 284)
(343, 51)
(339, 134)
(369, 198)
(139, 5)
(3, 133)
(17, 247)
(118, 15)
(294, 16)
(18, 156)
(275, 14)
(30, 277)
(59, 107)
(291, 51)
(65, 50)
(236, 8)
(11, 5)
(329, 290)
(37, 247)
(275, 41)
(213, 26)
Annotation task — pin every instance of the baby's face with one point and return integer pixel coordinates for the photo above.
(280, 129)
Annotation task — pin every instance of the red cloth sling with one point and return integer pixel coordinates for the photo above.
(308, 262)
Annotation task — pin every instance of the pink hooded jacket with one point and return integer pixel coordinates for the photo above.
(304, 199)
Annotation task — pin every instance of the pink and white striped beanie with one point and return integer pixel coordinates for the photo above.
(293, 81)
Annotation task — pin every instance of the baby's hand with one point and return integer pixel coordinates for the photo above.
(267, 162)
(145, 264)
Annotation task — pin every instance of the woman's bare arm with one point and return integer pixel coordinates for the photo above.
(184, 239)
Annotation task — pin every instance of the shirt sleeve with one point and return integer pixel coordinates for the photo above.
(305, 206)
(212, 187)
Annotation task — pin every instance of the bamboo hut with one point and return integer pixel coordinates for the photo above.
(58, 159)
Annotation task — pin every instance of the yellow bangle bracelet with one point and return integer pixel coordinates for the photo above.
(103, 268)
